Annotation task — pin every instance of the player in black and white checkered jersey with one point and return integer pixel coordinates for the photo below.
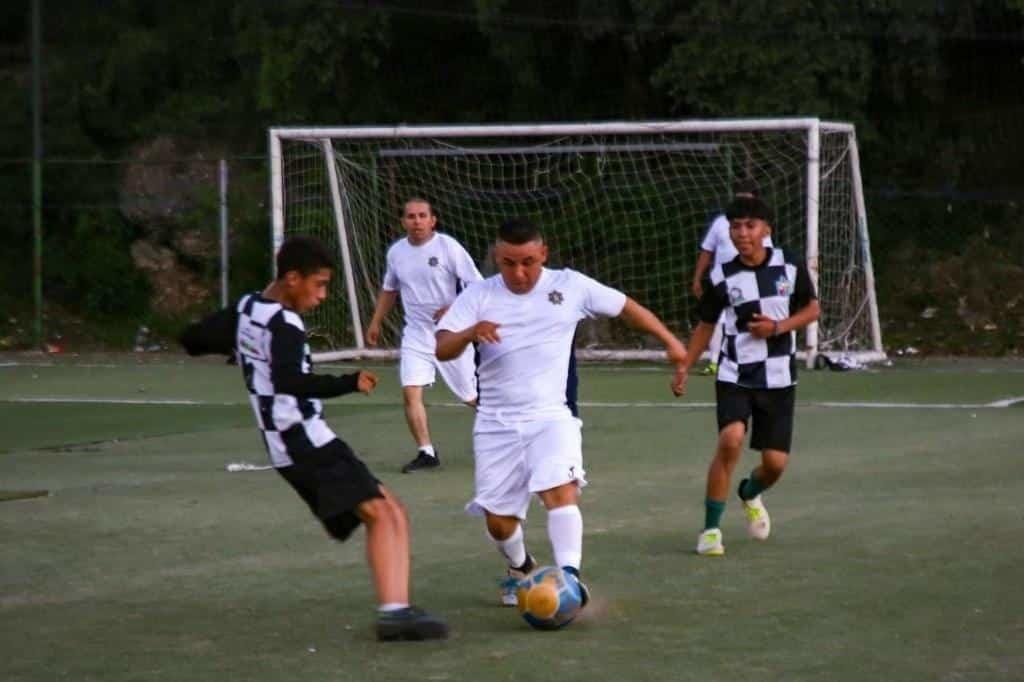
(268, 337)
(766, 294)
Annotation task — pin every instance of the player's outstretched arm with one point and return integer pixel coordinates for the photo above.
(639, 317)
(214, 334)
(699, 342)
(385, 302)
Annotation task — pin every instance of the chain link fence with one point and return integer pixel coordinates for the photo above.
(130, 249)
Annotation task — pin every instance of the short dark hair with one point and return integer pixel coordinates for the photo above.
(749, 207)
(416, 199)
(745, 185)
(519, 231)
(304, 255)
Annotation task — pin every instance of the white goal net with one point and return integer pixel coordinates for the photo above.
(626, 203)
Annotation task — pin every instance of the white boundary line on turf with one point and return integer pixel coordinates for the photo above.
(996, 404)
(117, 401)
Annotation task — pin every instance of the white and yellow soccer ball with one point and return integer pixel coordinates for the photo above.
(549, 598)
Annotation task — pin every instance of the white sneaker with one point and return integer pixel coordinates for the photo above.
(709, 543)
(759, 524)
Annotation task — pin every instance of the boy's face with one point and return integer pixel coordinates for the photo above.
(520, 264)
(419, 220)
(748, 235)
(303, 293)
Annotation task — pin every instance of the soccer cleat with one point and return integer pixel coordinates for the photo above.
(422, 461)
(509, 587)
(709, 543)
(759, 524)
(410, 624)
(510, 583)
(711, 369)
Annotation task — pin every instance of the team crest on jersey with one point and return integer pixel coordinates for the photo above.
(555, 297)
(735, 296)
(432, 261)
(783, 286)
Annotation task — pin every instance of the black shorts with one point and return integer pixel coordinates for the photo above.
(771, 408)
(333, 482)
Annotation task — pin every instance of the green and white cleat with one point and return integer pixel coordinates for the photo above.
(709, 543)
(759, 524)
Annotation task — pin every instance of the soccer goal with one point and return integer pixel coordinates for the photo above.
(626, 203)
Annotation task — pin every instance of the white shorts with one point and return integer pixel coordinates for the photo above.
(514, 460)
(416, 368)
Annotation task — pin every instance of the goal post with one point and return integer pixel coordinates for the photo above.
(624, 202)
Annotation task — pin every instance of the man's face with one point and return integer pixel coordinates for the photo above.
(419, 220)
(520, 264)
(748, 235)
(304, 293)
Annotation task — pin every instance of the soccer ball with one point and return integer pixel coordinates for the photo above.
(549, 598)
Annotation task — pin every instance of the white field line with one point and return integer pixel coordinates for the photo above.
(996, 404)
(115, 401)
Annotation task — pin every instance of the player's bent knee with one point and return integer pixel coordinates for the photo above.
(774, 462)
(730, 438)
(381, 510)
(561, 496)
(501, 527)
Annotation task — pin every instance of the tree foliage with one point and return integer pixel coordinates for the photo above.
(933, 87)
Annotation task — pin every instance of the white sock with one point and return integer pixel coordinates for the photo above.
(565, 529)
(429, 449)
(392, 606)
(513, 548)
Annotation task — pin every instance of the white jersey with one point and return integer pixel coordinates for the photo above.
(428, 277)
(717, 241)
(524, 376)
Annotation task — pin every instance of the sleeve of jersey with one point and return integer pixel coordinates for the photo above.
(287, 349)
(214, 334)
(599, 299)
(462, 313)
(465, 268)
(390, 282)
(714, 299)
(803, 290)
(710, 243)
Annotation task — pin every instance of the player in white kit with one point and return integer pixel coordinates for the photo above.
(428, 269)
(526, 440)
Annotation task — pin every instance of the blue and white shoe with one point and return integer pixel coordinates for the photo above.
(509, 585)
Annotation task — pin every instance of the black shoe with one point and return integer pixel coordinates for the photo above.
(410, 624)
(422, 461)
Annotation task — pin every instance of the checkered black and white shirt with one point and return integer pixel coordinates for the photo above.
(777, 288)
(269, 341)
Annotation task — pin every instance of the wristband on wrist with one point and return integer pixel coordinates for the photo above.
(775, 327)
